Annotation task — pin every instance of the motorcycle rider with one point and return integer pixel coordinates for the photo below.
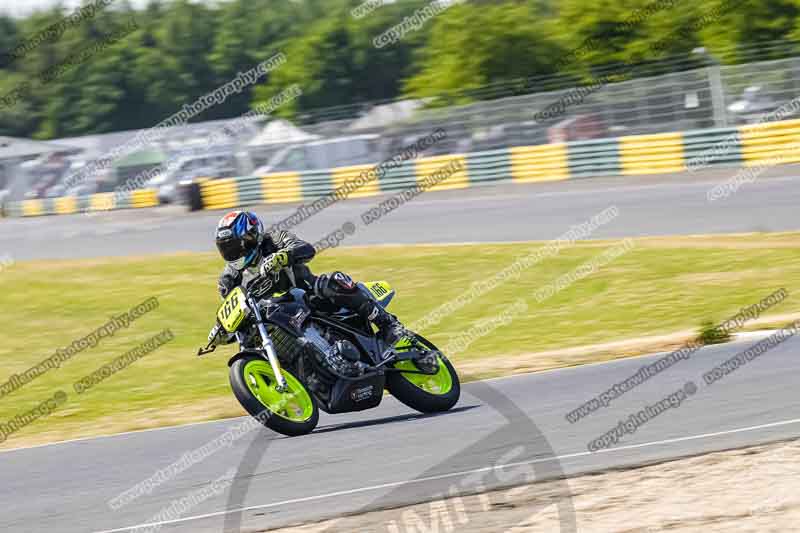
(249, 251)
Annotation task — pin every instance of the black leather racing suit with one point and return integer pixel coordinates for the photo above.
(336, 287)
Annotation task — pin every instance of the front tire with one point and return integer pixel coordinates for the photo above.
(290, 413)
(426, 393)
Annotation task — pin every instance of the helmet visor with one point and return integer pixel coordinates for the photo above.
(243, 262)
(231, 249)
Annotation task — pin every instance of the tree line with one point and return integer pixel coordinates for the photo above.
(345, 53)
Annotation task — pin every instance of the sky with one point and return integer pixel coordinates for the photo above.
(23, 7)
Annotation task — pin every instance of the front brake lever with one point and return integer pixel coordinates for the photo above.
(208, 349)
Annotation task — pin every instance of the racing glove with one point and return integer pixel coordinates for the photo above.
(273, 263)
(218, 336)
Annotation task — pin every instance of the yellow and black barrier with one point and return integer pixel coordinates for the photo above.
(68, 205)
(766, 143)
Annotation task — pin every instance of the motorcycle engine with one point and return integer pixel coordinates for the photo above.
(343, 358)
(334, 356)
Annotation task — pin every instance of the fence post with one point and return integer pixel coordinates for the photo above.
(717, 96)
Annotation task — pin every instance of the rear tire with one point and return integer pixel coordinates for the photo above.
(438, 395)
(292, 414)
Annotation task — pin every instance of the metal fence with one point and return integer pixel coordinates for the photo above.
(710, 96)
(706, 97)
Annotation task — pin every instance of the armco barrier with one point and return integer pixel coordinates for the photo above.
(598, 157)
(719, 146)
(765, 142)
(68, 205)
(630, 155)
(651, 154)
(546, 162)
(773, 142)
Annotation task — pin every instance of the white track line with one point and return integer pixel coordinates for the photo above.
(454, 474)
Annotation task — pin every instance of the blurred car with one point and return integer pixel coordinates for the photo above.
(41, 183)
(75, 164)
(45, 172)
(188, 168)
(578, 128)
(752, 106)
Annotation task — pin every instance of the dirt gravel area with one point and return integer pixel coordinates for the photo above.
(747, 490)
(472, 369)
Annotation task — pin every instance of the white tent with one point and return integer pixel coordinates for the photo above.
(385, 115)
(281, 132)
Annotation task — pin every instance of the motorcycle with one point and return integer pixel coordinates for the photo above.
(296, 357)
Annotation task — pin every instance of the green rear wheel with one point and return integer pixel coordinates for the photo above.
(427, 393)
(291, 412)
(439, 384)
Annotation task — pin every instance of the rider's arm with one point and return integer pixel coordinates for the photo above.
(229, 279)
(298, 250)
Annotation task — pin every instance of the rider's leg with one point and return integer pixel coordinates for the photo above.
(342, 291)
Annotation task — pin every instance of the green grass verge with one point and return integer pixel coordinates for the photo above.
(662, 285)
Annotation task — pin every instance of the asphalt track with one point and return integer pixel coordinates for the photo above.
(391, 456)
(660, 205)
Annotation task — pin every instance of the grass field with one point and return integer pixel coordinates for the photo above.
(661, 286)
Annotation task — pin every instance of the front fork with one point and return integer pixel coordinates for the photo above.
(268, 347)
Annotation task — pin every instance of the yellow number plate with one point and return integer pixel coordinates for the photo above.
(233, 310)
(379, 289)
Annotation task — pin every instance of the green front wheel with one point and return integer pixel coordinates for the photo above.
(292, 412)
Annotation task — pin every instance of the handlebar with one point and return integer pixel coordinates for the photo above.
(208, 349)
(257, 286)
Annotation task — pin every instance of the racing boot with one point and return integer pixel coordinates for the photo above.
(390, 330)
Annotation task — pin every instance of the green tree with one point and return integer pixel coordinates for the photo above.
(474, 45)
(184, 49)
(336, 62)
